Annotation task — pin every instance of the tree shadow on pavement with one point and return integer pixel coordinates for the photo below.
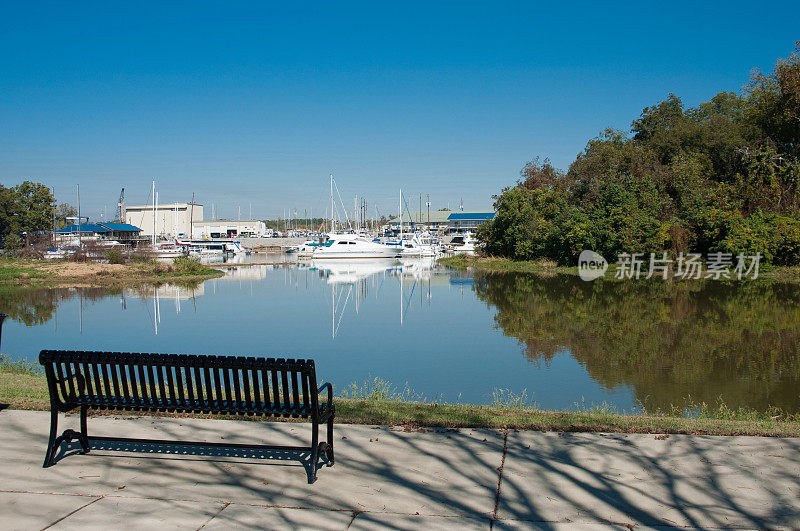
(544, 478)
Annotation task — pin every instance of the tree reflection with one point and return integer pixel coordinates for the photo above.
(35, 306)
(667, 341)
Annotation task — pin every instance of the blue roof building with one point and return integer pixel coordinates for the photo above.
(122, 232)
(467, 221)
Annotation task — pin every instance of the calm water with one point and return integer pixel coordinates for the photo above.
(449, 335)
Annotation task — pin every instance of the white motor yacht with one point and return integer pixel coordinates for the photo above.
(418, 246)
(166, 250)
(463, 244)
(351, 246)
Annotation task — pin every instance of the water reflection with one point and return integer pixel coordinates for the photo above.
(411, 321)
(36, 306)
(666, 341)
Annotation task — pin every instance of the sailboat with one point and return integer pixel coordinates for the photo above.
(350, 245)
(162, 249)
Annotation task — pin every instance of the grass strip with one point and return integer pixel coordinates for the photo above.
(23, 387)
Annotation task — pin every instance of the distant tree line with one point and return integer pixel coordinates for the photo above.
(722, 176)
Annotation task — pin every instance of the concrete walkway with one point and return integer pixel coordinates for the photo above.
(391, 478)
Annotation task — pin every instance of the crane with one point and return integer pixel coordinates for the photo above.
(121, 207)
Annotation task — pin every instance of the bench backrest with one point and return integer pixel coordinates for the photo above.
(165, 382)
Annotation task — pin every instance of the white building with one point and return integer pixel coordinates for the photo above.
(229, 229)
(171, 219)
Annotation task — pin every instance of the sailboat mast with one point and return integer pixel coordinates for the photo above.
(79, 217)
(332, 226)
(401, 215)
(154, 212)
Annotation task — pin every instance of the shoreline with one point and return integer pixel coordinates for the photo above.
(486, 264)
(24, 389)
(24, 273)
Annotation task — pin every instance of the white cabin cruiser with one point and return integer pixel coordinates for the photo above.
(351, 246)
(463, 244)
(212, 246)
(418, 246)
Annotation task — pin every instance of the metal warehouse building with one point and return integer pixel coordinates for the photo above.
(171, 219)
(229, 228)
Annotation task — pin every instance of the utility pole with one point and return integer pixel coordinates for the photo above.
(191, 219)
(53, 193)
(428, 204)
(79, 216)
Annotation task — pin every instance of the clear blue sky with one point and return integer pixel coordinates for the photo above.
(255, 103)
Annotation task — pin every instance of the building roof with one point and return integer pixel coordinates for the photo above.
(161, 206)
(221, 222)
(437, 216)
(121, 227)
(99, 228)
(471, 216)
(84, 227)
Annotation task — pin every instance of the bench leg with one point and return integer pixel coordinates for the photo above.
(51, 444)
(314, 450)
(329, 449)
(84, 438)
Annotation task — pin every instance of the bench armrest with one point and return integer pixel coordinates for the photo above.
(327, 385)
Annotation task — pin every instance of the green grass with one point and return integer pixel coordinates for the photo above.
(22, 386)
(492, 264)
(12, 270)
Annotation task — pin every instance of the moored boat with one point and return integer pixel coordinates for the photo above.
(354, 246)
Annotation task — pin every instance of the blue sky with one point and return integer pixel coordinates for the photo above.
(254, 104)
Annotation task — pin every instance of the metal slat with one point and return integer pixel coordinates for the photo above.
(248, 403)
(237, 388)
(276, 395)
(295, 391)
(285, 387)
(304, 378)
(254, 373)
(228, 385)
(208, 390)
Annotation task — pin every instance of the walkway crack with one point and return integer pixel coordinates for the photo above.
(73, 512)
(499, 478)
(353, 519)
(224, 506)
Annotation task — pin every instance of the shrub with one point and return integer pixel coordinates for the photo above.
(189, 266)
(115, 257)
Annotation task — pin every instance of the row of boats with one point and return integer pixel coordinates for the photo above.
(96, 248)
(355, 245)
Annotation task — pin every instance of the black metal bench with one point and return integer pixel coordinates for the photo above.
(230, 385)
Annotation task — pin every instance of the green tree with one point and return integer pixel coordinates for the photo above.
(724, 175)
(25, 208)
